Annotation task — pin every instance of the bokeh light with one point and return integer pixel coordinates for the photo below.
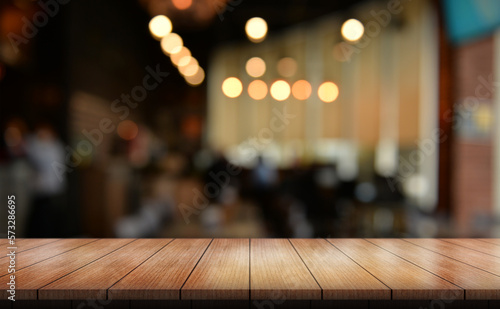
(127, 130)
(232, 87)
(328, 92)
(184, 61)
(352, 30)
(287, 67)
(255, 67)
(257, 90)
(196, 79)
(256, 29)
(182, 4)
(301, 90)
(190, 68)
(171, 43)
(160, 26)
(184, 52)
(280, 90)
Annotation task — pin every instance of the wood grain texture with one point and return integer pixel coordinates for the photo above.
(162, 276)
(472, 257)
(338, 275)
(494, 241)
(222, 274)
(24, 245)
(219, 304)
(277, 272)
(5, 241)
(154, 304)
(475, 244)
(261, 273)
(34, 277)
(406, 280)
(37, 254)
(478, 284)
(93, 280)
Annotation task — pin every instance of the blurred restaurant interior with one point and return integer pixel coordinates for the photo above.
(251, 118)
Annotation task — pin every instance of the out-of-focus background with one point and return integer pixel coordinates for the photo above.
(250, 118)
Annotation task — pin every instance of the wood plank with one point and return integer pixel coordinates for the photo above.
(478, 284)
(222, 274)
(344, 304)
(406, 280)
(430, 304)
(26, 244)
(475, 244)
(154, 304)
(41, 253)
(338, 275)
(92, 281)
(277, 272)
(34, 277)
(219, 304)
(477, 259)
(495, 241)
(162, 276)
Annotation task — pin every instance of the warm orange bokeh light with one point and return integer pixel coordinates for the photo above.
(196, 79)
(160, 26)
(184, 52)
(171, 43)
(190, 68)
(184, 61)
(127, 130)
(232, 87)
(256, 29)
(257, 90)
(255, 67)
(182, 4)
(280, 90)
(352, 30)
(328, 92)
(301, 90)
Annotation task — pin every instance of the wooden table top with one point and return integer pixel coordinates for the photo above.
(255, 269)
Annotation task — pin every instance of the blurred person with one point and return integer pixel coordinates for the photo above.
(147, 222)
(264, 176)
(264, 179)
(220, 177)
(47, 214)
(156, 206)
(17, 172)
